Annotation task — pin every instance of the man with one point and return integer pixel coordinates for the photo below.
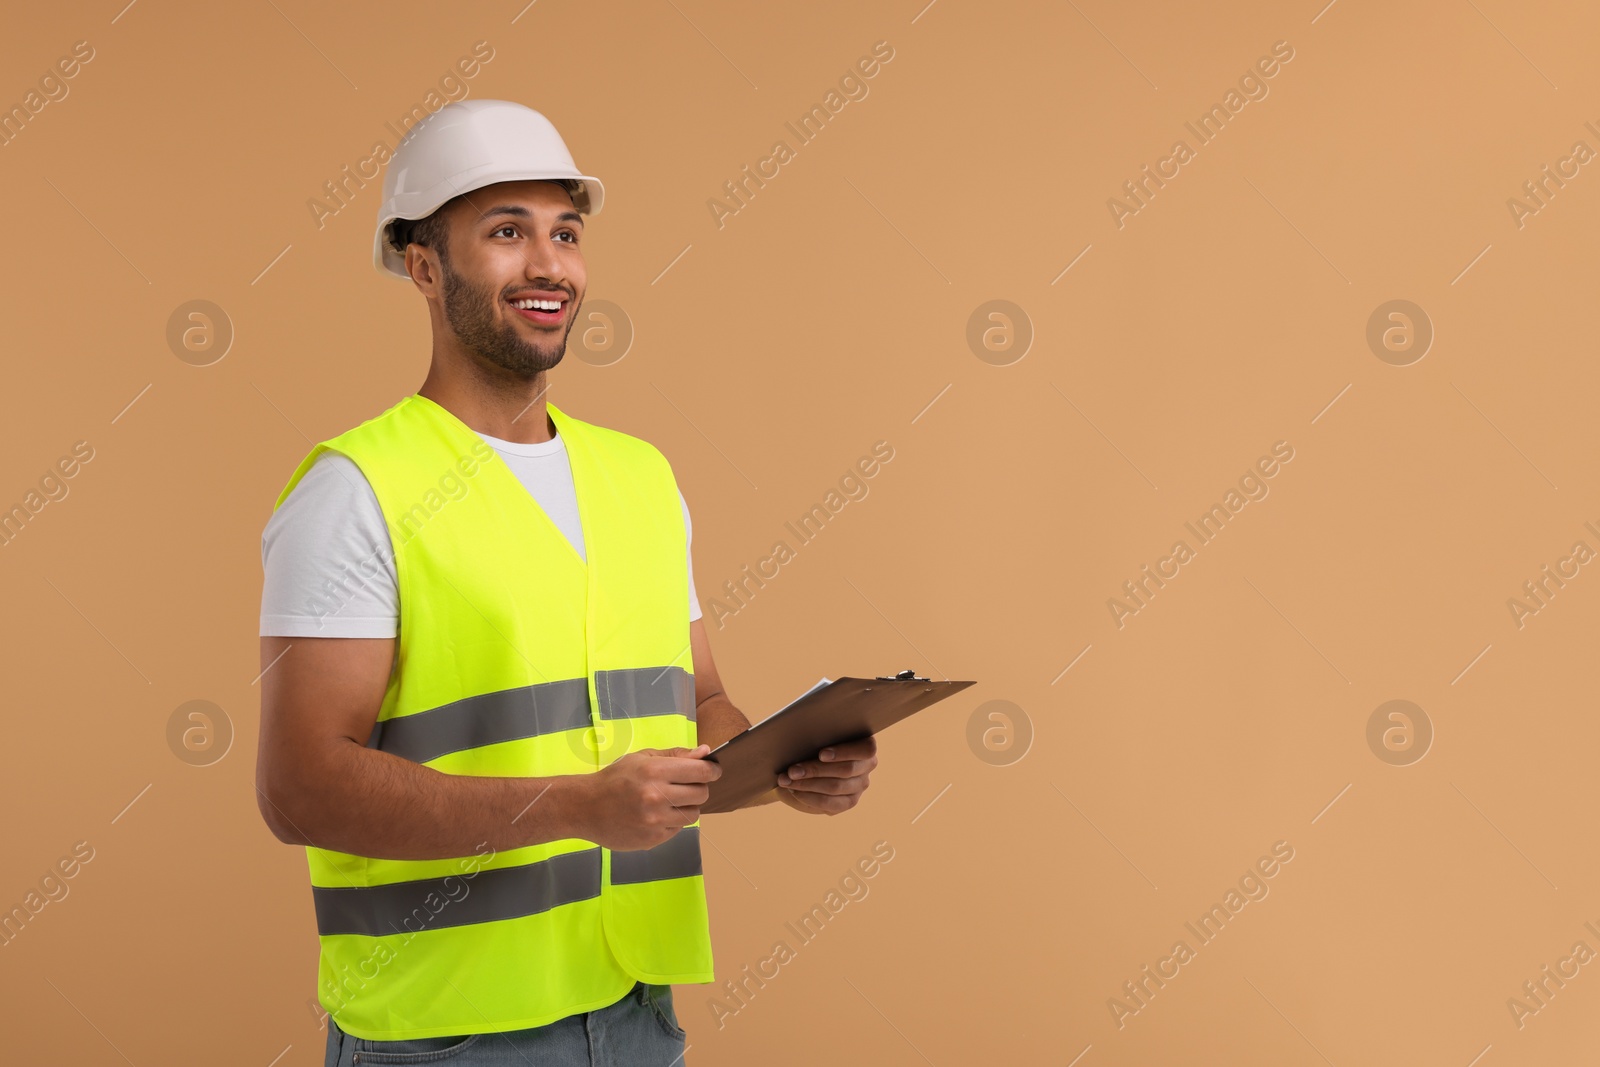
(476, 713)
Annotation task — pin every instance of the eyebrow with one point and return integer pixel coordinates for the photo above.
(517, 211)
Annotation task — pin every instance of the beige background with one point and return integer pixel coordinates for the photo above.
(831, 312)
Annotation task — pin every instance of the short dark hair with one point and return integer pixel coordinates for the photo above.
(430, 232)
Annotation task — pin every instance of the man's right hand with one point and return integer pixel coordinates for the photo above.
(643, 798)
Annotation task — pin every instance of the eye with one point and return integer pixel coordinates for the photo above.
(503, 229)
(568, 233)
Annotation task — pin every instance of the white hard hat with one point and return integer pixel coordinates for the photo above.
(466, 145)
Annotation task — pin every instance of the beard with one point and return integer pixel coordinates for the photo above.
(470, 310)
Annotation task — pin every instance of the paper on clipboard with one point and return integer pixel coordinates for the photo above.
(820, 685)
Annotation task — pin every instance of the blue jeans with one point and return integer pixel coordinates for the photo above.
(640, 1030)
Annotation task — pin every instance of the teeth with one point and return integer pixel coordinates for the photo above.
(539, 305)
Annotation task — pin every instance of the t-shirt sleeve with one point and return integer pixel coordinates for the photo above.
(327, 559)
(688, 530)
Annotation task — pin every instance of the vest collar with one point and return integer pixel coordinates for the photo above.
(577, 458)
(557, 417)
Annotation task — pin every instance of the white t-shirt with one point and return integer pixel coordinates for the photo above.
(328, 560)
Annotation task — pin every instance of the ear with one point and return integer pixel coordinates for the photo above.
(423, 270)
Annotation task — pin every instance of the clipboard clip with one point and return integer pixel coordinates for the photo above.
(903, 676)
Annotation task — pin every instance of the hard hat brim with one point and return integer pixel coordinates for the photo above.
(588, 198)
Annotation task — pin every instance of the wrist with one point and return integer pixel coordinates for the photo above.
(581, 805)
(557, 807)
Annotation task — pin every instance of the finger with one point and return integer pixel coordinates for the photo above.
(829, 786)
(691, 770)
(821, 803)
(819, 769)
(862, 748)
(680, 793)
(672, 821)
(684, 797)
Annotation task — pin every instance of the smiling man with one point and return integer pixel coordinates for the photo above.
(487, 688)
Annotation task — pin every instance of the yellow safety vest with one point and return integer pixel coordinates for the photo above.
(517, 658)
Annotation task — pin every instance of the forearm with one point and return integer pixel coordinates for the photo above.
(371, 803)
(717, 721)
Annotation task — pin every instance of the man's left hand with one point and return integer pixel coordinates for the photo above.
(831, 783)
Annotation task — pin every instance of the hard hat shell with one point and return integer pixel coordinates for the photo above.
(466, 145)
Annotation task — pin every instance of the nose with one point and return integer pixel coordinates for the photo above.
(544, 265)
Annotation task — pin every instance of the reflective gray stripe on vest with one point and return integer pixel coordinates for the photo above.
(458, 899)
(486, 719)
(676, 857)
(639, 691)
(499, 893)
(534, 710)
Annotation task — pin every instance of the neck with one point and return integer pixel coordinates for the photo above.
(501, 406)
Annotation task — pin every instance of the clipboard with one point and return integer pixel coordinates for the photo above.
(829, 713)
